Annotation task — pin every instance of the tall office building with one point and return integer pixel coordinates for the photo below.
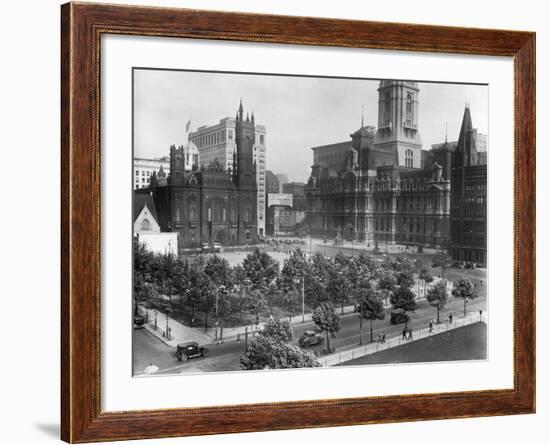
(218, 143)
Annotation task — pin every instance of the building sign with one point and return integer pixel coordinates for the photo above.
(279, 199)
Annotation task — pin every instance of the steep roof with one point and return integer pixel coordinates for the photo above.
(141, 200)
(464, 129)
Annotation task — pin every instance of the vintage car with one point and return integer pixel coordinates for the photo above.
(139, 322)
(190, 349)
(399, 317)
(310, 338)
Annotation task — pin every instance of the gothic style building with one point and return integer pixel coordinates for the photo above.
(381, 187)
(211, 203)
(469, 197)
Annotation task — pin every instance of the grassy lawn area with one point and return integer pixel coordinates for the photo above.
(466, 343)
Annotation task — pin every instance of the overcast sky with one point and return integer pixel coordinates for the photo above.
(298, 112)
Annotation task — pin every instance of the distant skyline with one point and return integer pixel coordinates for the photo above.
(298, 112)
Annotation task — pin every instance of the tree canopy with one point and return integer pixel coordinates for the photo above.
(464, 289)
(326, 320)
(270, 353)
(437, 296)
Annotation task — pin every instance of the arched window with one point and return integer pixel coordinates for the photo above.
(145, 224)
(192, 213)
(409, 109)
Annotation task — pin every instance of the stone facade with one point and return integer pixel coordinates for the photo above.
(218, 142)
(211, 204)
(380, 186)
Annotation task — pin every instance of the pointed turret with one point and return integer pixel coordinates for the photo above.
(153, 183)
(162, 173)
(252, 118)
(466, 151)
(241, 110)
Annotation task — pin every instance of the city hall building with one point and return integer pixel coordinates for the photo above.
(381, 186)
(210, 203)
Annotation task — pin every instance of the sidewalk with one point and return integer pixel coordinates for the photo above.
(392, 342)
(178, 332)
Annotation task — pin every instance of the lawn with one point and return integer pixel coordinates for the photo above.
(465, 343)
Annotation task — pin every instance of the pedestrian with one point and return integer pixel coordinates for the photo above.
(431, 326)
(451, 318)
(404, 337)
(379, 337)
(480, 315)
(410, 336)
(383, 337)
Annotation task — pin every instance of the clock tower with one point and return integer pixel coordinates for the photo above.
(398, 122)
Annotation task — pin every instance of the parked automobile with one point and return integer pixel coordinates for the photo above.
(139, 322)
(399, 317)
(190, 349)
(216, 247)
(469, 265)
(310, 338)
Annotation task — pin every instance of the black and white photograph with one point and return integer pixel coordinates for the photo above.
(292, 221)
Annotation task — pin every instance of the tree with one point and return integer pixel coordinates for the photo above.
(260, 268)
(437, 297)
(403, 298)
(278, 330)
(387, 283)
(220, 274)
(166, 274)
(371, 308)
(181, 281)
(143, 259)
(255, 301)
(405, 278)
(425, 275)
(270, 353)
(337, 287)
(326, 320)
(293, 275)
(442, 260)
(464, 288)
(219, 271)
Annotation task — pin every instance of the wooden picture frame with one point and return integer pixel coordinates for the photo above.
(82, 26)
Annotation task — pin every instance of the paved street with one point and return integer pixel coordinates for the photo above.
(225, 357)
